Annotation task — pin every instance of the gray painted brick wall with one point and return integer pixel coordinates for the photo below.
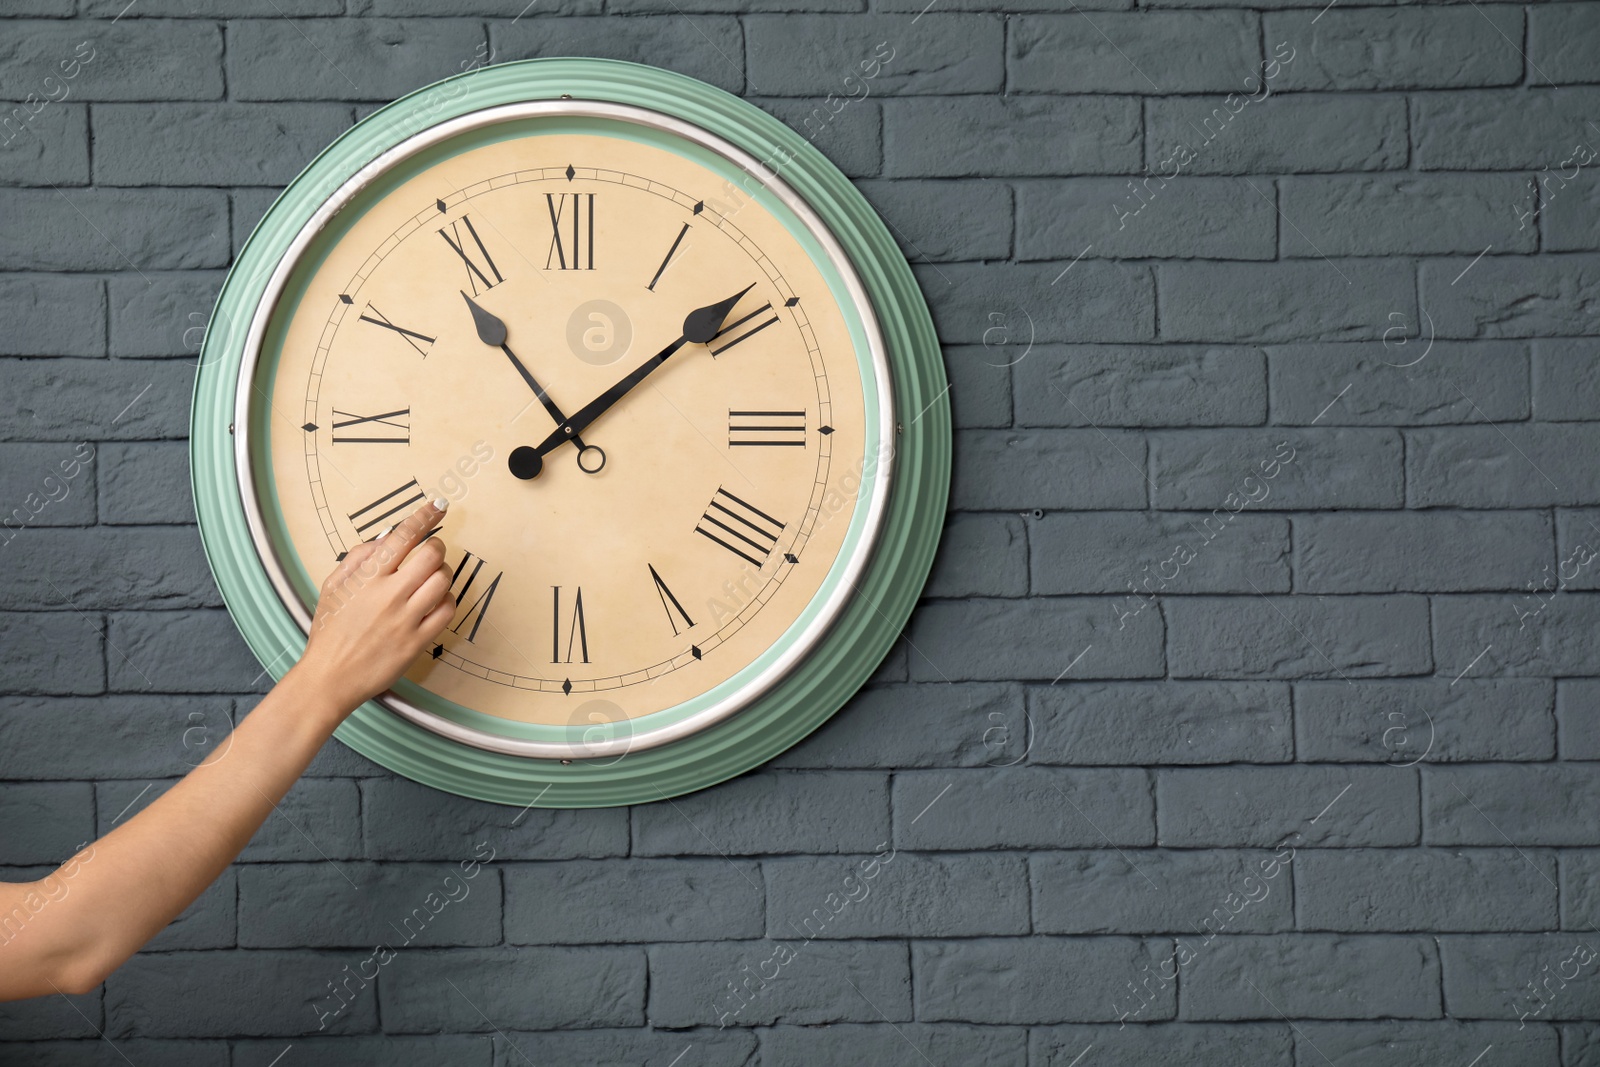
(1246, 719)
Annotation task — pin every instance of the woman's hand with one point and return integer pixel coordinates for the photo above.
(387, 601)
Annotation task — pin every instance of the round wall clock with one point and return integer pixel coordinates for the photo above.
(671, 372)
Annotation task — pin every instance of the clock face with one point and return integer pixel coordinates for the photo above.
(653, 571)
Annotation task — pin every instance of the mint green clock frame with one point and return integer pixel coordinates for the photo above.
(859, 637)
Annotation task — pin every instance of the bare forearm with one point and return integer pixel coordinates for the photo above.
(145, 873)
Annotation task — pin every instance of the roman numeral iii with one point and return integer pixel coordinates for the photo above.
(766, 429)
(740, 527)
(469, 576)
(469, 246)
(576, 224)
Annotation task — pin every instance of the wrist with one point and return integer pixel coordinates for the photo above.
(318, 695)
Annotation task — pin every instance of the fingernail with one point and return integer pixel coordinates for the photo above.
(384, 533)
(440, 504)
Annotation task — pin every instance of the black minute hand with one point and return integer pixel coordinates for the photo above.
(699, 326)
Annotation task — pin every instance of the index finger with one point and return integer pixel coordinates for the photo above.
(397, 543)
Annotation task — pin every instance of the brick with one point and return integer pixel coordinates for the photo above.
(1580, 893)
(1403, 48)
(139, 59)
(1119, 551)
(113, 229)
(162, 314)
(980, 385)
(597, 901)
(1118, 218)
(1562, 43)
(1294, 638)
(48, 485)
(1582, 1043)
(79, 400)
(817, 982)
(710, 49)
(1385, 215)
(456, 1050)
(46, 1017)
(229, 994)
(852, 139)
(916, 6)
(509, 8)
(48, 146)
(89, 569)
(145, 482)
(249, 206)
(805, 55)
(52, 652)
(1357, 890)
(47, 8)
(1275, 469)
(1404, 722)
(354, 59)
(1026, 469)
(1033, 640)
(1134, 52)
(1138, 723)
(373, 59)
(985, 136)
(1031, 981)
(1476, 130)
(1566, 208)
(1410, 381)
(1150, 891)
(1140, 385)
(52, 315)
(402, 820)
(769, 813)
(714, 1048)
(1313, 976)
(1511, 804)
(1206, 135)
(1529, 640)
(1193, 1044)
(100, 1053)
(1022, 807)
(211, 8)
(1474, 466)
(1421, 552)
(980, 555)
(911, 1045)
(46, 822)
(359, 905)
(957, 726)
(906, 895)
(315, 822)
(1512, 296)
(1493, 977)
(1316, 300)
(1245, 807)
(211, 144)
(1092, 301)
(941, 221)
(130, 737)
(720, 7)
(1401, 1044)
(1566, 380)
(182, 652)
(1578, 716)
